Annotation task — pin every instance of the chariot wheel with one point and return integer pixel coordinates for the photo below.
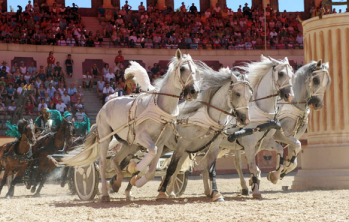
(180, 184)
(86, 179)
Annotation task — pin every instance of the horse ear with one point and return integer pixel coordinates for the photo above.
(233, 78)
(178, 54)
(274, 61)
(318, 64)
(286, 59)
(263, 58)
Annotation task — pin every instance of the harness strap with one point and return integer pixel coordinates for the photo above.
(207, 104)
(207, 144)
(266, 97)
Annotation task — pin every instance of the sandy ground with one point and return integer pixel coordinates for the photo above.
(55, 204)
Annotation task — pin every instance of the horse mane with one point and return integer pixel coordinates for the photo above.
(173, 64)
(256, 71)
(210, 82)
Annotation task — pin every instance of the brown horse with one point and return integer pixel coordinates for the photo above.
(47, 145)
(15, 156)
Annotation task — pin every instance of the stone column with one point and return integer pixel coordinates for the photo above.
(325, 162)
(161, 4)
(107, 4)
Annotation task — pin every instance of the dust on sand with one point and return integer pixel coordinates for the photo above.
(56, 204)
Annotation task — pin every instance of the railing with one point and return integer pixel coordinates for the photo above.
(182, 45)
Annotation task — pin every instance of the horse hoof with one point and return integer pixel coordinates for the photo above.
(134, 179)
(105, 199)
(131, 168)
(130, 198)
(161, 196)
(217, 197)
(244, 192)
(208, 194)
(62, 184)
(172, 195)
(28, 186)
(114, 186)
(33, 190)
(273, 177)
(8, 196)
(36, 195)
(257, 196)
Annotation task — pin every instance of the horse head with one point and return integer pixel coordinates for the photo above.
(240, 94)
(283, 77)
(318, 81)
(188, 75)
(27, 129)
(68, 131)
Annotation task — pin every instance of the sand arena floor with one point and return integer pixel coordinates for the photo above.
(56, 204)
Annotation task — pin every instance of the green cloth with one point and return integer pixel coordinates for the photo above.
(84, 126)
(66, 114)
(56, 116)
(13, 130)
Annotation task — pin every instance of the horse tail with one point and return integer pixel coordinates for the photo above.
(89, 154)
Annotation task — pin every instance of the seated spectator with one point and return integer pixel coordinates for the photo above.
(80, 93)
(20, 89)
(60, 106)
(47, 98)
(7, 68)
(73, 99)
(87, 82)
(10, 91)
(51, 90)
(141, 8)
(100, 85)
(42, 104)
(48, 82)
(95, 71)
(3, 91)
(78, 105)
(42, 73)
(66, 98)
(107, 90)
(72, 89)
(80, 114)
(61, 89)
(32, 68)
(29, 107)
(12, 107)
(56, 98)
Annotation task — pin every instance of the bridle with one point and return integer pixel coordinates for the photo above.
(238, 106)
(182, 83)
(234, 108)
(29, 127)
(317, 72)
(323, 85)
(178, 73)
(284, 84)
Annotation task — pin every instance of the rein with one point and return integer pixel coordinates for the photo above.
(207, 104)
(266, 97)
(165, 94)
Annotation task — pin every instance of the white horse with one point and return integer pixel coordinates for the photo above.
(269, 78)
(145, 120)
(201, 122)
(311, 83)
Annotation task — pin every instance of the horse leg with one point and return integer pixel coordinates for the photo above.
(151, 172)
(146, 141)
(16, 179)
(290, 163)
(4, 179)
(206, 180)
(211, 163)
(170, 170)
(170, 186)
(238, 167)
(274, 175)
(64, 176)
(122, 156)
(250, 152)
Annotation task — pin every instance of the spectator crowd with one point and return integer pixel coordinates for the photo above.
(161, 28)
(44, 87)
